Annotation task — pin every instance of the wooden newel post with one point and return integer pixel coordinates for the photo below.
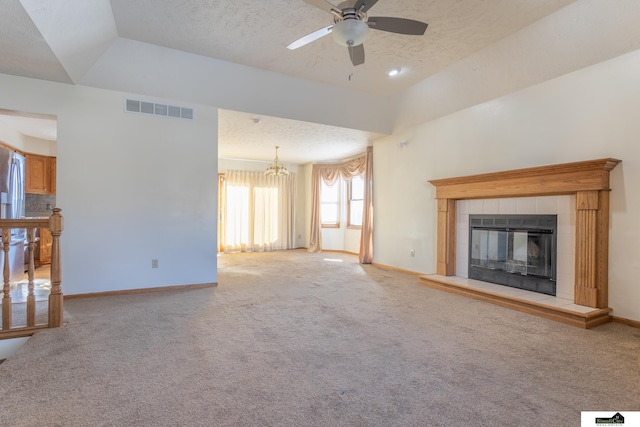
(55, 297)
(6, 297)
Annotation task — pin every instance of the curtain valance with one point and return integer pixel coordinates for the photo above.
(331, 172)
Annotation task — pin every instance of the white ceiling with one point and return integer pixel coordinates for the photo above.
(256, 34)
(42, 40)
(41, 126)
(299, 142)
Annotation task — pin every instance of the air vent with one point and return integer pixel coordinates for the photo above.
(164, 110)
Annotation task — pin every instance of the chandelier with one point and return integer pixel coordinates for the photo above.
(276, 168)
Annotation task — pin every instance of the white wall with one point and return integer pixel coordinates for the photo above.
(352, 240)
(152, 70)
(11, 136)
(40, 146)
(584, 33)
(132, 188)
(588, 114)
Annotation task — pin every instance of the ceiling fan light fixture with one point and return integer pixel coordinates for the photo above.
(350, 32)
(276, 168)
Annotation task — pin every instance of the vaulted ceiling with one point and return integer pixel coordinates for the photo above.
(39, 37)
(60, 41)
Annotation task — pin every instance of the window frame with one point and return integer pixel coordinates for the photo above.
(337, 203)
(351, 199)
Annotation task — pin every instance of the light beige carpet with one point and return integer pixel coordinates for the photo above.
(296, 339)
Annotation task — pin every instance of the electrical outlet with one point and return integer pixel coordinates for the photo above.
(412, 253)
(154, 263)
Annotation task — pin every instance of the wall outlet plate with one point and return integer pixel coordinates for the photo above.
(154, 263)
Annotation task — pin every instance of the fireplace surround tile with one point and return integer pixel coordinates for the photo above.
(564, 286)
(578, 308)
(567, 246)
(462, 270)
(462, 206)
(565, 239)
(526, 205)
(491, 206)
(508, 206)
(476, 205)
(546, 205)
(567, 223)
(556, 302)
(567, 205)
(534, 296)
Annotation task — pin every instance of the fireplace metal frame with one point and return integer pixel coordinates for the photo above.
(522, 279)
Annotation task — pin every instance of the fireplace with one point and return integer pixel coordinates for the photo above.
(514, 250)
(588, 181)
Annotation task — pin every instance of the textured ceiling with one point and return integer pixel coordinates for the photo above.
(257, 33)
(299, 142)
(59, 41)
(23, 50)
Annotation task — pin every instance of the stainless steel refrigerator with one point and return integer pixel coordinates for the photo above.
(12, 205)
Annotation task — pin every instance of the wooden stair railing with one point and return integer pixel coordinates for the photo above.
(55, 306)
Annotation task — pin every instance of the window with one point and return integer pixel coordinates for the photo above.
(355, 201)
(257, 212)
(330, 204)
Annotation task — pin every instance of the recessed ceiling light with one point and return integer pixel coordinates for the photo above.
(394, 72)
(257, 121)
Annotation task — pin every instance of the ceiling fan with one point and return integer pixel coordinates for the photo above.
(351, 26)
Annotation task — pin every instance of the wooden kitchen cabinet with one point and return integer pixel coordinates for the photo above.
(40, 174)
(53, 165)
(46, 242)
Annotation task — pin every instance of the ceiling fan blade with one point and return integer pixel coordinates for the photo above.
(310, 37)
(365, 5)
(324, 5)
(397, 25)
(356, 53)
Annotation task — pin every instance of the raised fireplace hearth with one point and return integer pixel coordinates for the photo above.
(514, 250)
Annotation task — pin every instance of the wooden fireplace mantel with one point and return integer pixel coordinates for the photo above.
(566, 178)
(588, 180)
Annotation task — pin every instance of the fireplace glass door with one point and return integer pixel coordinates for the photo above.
(517, 251)
(524, 252)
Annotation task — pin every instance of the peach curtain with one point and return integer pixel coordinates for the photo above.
(366, 234)
(330, 173)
